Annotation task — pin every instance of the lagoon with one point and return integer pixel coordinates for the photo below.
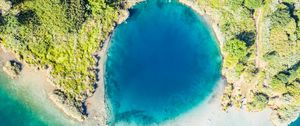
(162, 62)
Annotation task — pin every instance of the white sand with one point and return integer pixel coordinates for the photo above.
(210, 114)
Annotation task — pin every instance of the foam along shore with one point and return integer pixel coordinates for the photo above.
(210, 113)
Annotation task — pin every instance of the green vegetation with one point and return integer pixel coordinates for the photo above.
(236, 52)
(253, 4)
(62, 36)
(261, 53)
(261, 50)
(259, 102)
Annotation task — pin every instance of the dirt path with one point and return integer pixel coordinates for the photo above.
(258, 18)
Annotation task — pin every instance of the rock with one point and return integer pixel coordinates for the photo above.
(13, 68)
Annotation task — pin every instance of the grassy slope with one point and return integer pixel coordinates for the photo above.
(61, 35)
(261, 54)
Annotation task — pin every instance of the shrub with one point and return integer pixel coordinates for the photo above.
(236, 48)
(248, 37)
(260, 101)
(280, 17)
(2, 21)
(253, 4)
(27, 17)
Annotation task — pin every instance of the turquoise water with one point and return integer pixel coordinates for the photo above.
(19, 107)
(13, 111)
(162, 62)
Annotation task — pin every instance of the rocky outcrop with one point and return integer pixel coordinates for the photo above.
(13, 68)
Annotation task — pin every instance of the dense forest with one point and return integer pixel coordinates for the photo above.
(61, 36)
(261, 54)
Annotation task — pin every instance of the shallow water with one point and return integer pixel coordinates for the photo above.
(22, 105)
(162, 62)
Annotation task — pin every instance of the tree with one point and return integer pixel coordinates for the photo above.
(236, 52)
(247, 36)
(280, 17)
(253, 4)
(236, 48)
(27, 17)
(2, 21)
(260, 101)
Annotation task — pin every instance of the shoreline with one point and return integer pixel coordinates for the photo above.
(210, 113)
(98, 100)
(102, 116)
(213, 25)
(95, 116)
(211, 20)
(93, 103)
(47, 86)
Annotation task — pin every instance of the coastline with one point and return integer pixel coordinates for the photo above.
(210, 113)
(97, 101)
(266, 115)
(209, 19)
(95, 105)
(44, 84)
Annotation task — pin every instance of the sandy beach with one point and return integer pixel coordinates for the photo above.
(36, 88)
(96, 105)
(210, 113)
(41, 81)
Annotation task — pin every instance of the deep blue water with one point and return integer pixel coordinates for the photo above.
(162, 62)
(296, 122)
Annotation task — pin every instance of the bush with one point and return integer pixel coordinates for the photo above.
(248, 37)
(280, 17)
(2, 21)
(16, 2)
(77, 12)
(52, 45)
(260, 101)
(27, 17)
(236, 48)
(253, 4)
